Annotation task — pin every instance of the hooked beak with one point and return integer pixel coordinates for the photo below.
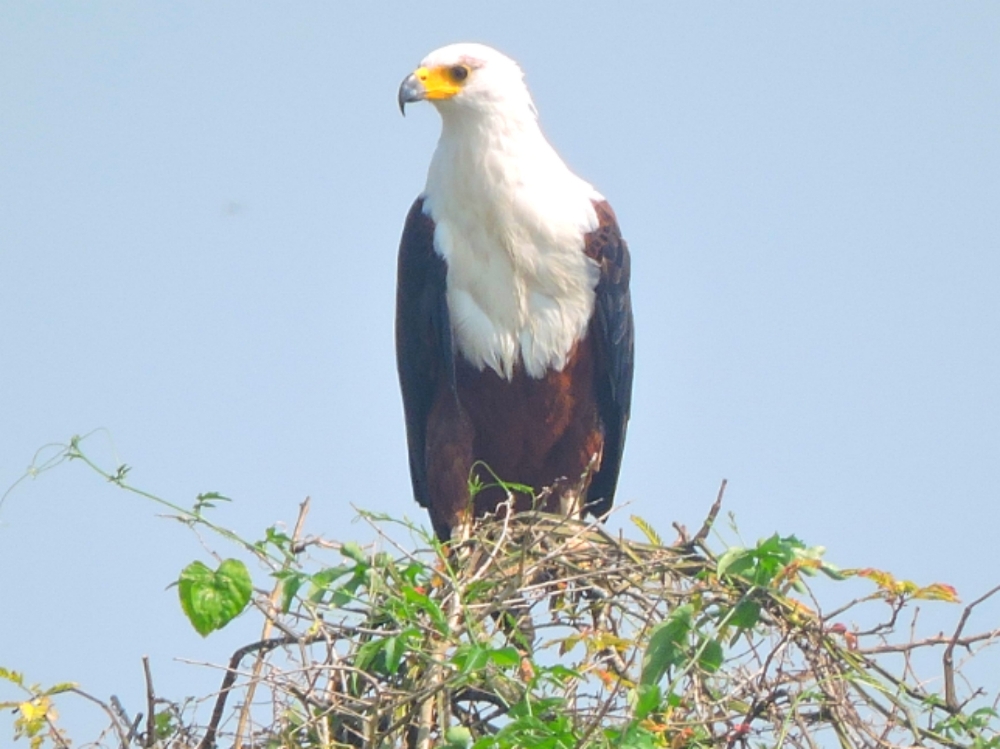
(410, 90)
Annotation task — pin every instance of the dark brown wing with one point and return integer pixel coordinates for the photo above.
(424, 353)
(613, 330)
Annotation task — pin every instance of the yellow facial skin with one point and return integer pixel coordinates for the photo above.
(442, 82)
(437, 83)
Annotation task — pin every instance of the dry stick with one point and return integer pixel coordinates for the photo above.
(57, 736)
(436, 674)
(911, 692)
(115, 720)
(150, 738)
(646, 626)
(261, 646)
(123, 716)
(833, 614)
(949, 666)
(701, 535)
(908, 670)
(258, 665)
(907, 647)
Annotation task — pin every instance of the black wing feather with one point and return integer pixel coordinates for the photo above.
(614, 331)
(424, 353)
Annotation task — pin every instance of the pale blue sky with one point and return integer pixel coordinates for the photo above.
(199, 211)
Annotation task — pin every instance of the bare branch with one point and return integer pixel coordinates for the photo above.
(950, 698)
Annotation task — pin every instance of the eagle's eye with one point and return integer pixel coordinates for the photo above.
(458, 73)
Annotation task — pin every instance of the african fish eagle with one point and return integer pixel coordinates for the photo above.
(514, 333)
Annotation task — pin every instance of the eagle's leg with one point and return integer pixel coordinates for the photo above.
(567, 495)
(450, 436)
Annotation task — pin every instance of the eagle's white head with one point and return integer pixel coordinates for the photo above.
(471, 78)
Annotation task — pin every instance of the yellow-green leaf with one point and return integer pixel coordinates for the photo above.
(647, 530)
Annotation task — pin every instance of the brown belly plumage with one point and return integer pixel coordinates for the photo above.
(538, 432)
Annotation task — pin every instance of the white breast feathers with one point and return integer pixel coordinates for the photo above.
(520, 288)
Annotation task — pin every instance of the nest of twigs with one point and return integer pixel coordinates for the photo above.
(545, 631)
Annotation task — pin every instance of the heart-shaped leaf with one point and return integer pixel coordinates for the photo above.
(213, 599)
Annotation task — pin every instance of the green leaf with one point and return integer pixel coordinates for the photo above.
(383, 655)
(666, 644)
(351, 550)
(213, 497)
(384, 561)
(737, 558)
(413, 572)
(204, 501)
(505, 657)
(346, 593)
(278, 539)
(711, 656)
(457, 737)
(163, 725)
(428, 604)
(833, 572)
(368, 657)
(213, 599)
(559, 674)
(393, 651)
(769, 559)
(746, 614)
(320, 582)
(290, 584)
(636, 737)
(648, 700)
(470, 657)
(63, 686)
(14, 677)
